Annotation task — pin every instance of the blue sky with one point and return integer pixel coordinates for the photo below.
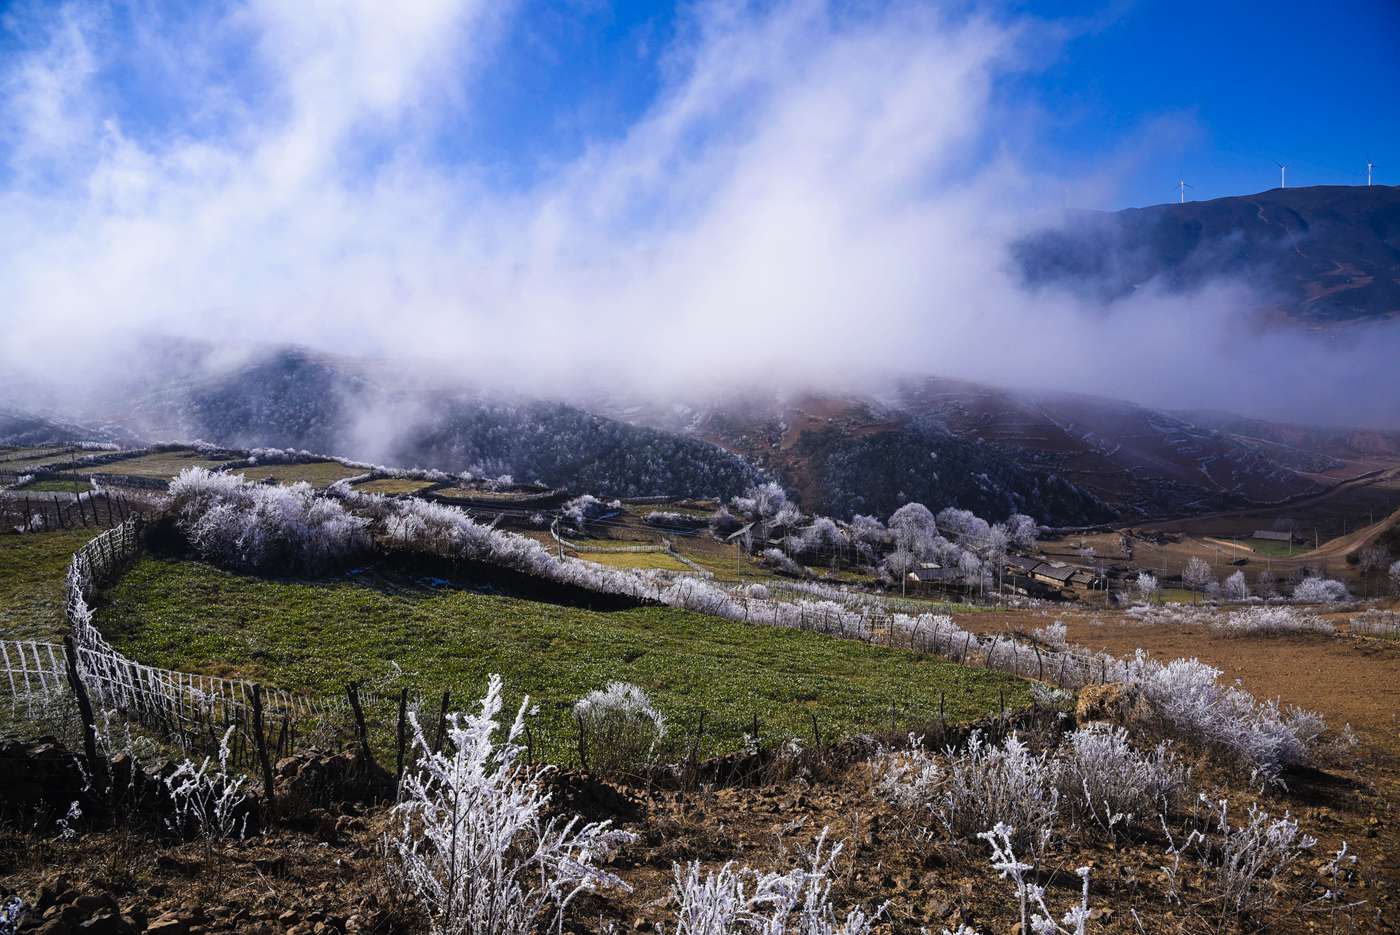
(1247, 84)
(1144, 92)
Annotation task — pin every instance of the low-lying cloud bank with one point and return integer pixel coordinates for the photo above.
(814, 197)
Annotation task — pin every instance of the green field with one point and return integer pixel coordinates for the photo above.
(32, 572)
(24, 461)
(658, 560)
(160, 464)
(316, 473)
(317, 635)
(390, 486)
(76, 485)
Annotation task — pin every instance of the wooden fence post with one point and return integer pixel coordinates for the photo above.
(260, 740)
(442, 721)
(75, 681)
(402, 735)
(366, 755)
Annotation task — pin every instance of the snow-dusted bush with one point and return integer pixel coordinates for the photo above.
(778, 560)
(1236, 587)
(1393, 573)
(1103, 780)
(1008, 784)
(234, 522)
(1146, 585)
(738, 900)
(1317, 590)
(471, 840)
(622, 728)
(1186, 699)
(1266, 621)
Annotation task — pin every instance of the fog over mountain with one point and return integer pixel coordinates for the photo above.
(814, 198)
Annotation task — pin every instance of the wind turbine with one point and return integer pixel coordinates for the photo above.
(1370, 167)
(1282, 174)
(1181, 187)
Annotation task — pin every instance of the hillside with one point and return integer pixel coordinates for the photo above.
(1324, 254)
(296, 399)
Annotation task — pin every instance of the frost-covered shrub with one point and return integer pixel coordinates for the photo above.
(1035, 914)
(1055, 635)
(1236, 587)
(1146, 586)
(233, 522)
(207, 800)
(1316, 590)
(1103, 780)
(621, 726)
(669, 519)
(988, 785)
(1185, 699)
(1266, 621)
(738, 900)
(1247, 859)
(471, 840)
(778, 560)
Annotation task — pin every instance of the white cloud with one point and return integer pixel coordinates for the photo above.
(809, 197)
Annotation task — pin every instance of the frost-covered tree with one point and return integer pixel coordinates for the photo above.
(913, 529)
(1236, 588)
(1320, 591)
(1395, 577)
(969, 529)
(724, 523)
(1022, 529)
(869, 536)
(762, 501)
(1146, 586)
(1197, 574)
(898, 564)
(1264, 584)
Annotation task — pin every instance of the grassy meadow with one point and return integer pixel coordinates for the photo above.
(316, 636)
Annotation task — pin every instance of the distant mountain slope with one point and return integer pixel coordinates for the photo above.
(1068, 459)
(1142, 461)
(26, 428)
(1328, 253)
(296, 399)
